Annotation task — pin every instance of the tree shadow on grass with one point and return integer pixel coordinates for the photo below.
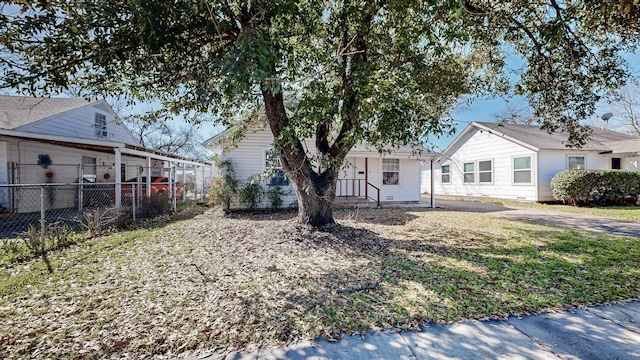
(418, 281)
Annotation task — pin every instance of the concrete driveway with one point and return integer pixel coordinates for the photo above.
(550, 217)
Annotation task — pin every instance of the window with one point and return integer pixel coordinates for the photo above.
(522, 170)
(390, 171)
(616, 163)
(101, 125)
(446, 173)
(272, 163)
(469, 172)
(485, 171)
(576, 163)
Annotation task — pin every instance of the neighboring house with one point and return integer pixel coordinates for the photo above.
(518, 161)
(62, 140)
(366, 177)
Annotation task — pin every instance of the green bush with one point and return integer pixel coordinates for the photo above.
(251, 194)
(275, 196)
(156, 205)
(600, 187)
(223, 189)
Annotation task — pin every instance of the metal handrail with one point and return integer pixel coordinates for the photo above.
(342, 189)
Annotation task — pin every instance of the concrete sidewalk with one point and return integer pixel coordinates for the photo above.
(602, 332)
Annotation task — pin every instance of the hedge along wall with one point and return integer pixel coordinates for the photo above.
(595, 186)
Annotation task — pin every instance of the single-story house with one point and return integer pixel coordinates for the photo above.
(367, 177)
(513, 161)
(66, 140)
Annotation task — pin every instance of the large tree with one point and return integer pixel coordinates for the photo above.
(380, 71)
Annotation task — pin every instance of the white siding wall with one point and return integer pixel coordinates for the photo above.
(408, 188)
(248, 159)
(481, 146)
(4, 175)
(631, 163)
(80, 123)
(551, 162)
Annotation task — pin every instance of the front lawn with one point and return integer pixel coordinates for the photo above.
(221, 283)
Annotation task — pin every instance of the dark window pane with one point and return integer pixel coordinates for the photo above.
(484, 177)
(484, 166)
(616, 163)
(522, 176)
(390, 178)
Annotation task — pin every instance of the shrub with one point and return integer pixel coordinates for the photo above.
(599, 187)
(156, 205)
(223, 189)
(11, 249)
(275, 196)
(251, 194)
(31, 238)
(96, 220)
(58, 234)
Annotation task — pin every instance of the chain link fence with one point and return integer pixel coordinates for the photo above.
(39, 196)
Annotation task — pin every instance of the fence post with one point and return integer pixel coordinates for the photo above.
(42, 217)
(173, 189)
(80, 188)
(133, 200)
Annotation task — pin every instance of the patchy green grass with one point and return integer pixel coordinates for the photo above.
(621, 212)
(220, 283)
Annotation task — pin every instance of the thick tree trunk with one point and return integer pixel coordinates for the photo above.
(315, 200)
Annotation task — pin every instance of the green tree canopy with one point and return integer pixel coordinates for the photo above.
(380, 72)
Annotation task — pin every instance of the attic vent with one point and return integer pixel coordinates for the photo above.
(389, 197)
(101, 125)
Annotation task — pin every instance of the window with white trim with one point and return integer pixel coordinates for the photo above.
(390, 171)
(100, 125)
(522, 170)
(469, 172)
(273, 165)
(446, 173)
(576, 162)
(485, 171)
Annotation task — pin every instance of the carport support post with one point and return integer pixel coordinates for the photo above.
(42, 219)
(184, 181)
(173, 188)
(118, 161)
(148, 182)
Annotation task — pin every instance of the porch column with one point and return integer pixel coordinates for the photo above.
(118, 164)
(366, 179)
(433, 197)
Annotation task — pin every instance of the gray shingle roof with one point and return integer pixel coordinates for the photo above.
(600, 140)
(17, 111)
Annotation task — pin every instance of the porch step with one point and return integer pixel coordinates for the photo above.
(353, 201)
